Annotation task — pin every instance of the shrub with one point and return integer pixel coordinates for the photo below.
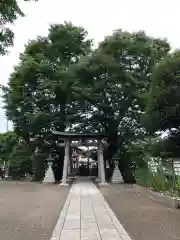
(143, 177)
(157, 181)
(177, 186)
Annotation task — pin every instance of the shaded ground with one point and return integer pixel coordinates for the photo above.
(29, 211)
(143, 218)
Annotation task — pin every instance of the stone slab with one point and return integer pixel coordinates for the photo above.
(90, 234)
(70, 235)
(107, 234)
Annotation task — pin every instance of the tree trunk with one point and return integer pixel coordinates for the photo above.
(127, 171)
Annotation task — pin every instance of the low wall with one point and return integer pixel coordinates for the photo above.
(169, 201)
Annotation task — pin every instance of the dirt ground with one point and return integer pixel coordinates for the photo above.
(29, 211)
(143, 218)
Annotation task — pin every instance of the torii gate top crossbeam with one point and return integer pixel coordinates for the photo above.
(78, 136)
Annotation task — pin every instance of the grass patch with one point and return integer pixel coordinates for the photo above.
(159, 181)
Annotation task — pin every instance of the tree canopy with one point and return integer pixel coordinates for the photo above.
(42, 88)
(9, 12)
(163, 107)
(62, 83)
(115, 79)
(163, 103)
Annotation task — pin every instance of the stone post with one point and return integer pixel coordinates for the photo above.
(98, 179)
(66, 162)
(77, 166)
(101, 163)
(99, 167)
(69, 168)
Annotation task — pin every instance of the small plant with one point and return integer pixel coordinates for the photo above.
(143, 177)
(158, 181)
(177, 186)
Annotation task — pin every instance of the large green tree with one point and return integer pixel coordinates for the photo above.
(163, 108)
(115, 80)
(42, 88)
(61, 84)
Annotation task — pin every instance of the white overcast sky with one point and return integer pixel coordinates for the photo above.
(158, 18)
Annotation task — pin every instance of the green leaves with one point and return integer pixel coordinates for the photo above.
(61, 83)
(43, 88)
(163, 105)
(163, 109)
(7, 143)
(9, 12)
(6, 40)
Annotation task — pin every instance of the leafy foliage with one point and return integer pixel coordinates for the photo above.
(163, 103)
(114, 81)
(9, 12)
(42, 86)
(20, 162)
(163, 108)
(157, 181)
(7, 143)
(167, 147)
(62, 84)
(15, 155)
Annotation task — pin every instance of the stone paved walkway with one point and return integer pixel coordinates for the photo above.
(87, 216)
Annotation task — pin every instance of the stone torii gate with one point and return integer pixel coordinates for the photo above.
(68, 137)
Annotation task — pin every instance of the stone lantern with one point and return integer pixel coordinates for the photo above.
(49, 175)
(116, 176)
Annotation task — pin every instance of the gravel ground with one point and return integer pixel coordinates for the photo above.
(143, 218)
(29, 211)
